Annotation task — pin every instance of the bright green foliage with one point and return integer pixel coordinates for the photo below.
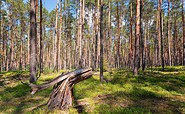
(124, 93)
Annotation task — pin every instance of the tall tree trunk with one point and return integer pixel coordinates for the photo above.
(183, 32)
(101, 41)
(137, 37)
(161, 34)
(36, 36)
(118, 37)
(96, 34)
(4, 49)
(175, 41)
(69, 40)
(143, 42)
(1, 38)
(56, 37)
(169, 34)
(81, 31)
(28, 46)
(131, 42)
(83, 21)
(41, 40)
(144, 49)
(109, 34)
(21, 48)
(58, 40)
(11, 44)
(33, 77)
(147, 48)
(158, 35)
(7, 59)
(77, 38)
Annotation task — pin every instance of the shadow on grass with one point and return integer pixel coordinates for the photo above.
(138, 93)
(14, 92)
(15, 97)
(12, 98)
(137, 102)
(124, 94)
(169, 82)
(144, 95)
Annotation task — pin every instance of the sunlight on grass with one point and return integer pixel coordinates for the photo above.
(123, 85)
(157, 91)
(107, 109)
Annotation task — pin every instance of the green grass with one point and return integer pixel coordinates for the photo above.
(156, 92)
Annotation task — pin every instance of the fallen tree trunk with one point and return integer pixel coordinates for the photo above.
(61, 96)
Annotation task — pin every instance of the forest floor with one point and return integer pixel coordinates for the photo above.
(157, 92)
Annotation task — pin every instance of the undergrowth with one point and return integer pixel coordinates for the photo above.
(155, 92)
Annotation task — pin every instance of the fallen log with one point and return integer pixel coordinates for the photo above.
(61, 96)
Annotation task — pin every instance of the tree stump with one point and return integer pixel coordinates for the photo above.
(61, 96)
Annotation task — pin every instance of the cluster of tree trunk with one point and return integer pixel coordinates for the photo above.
(61, 96)
(90, 33)
(117, 34)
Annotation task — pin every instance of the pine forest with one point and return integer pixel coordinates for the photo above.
(92, 56)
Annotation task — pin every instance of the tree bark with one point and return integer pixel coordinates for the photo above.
(28, 46)
(1, 62)
(137, 38)
(61, 97)
(109, 34)
(41, 40)
(101, 40)
(158, 35)
(21, 48)
(161, 34)
(36, 36)
(4, 49)
(169, 34)
(59, 40)
(33, 77)
(81, 31)
(131, 42)
(183, 32)
(35, 88)
(175, 41)
(118, 37)
(11, 43)
(96, 34)
(55, 39)
(143, 42)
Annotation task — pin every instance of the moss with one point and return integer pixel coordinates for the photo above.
(107, 109)
(157, 91)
